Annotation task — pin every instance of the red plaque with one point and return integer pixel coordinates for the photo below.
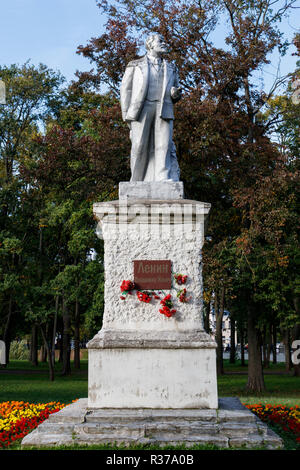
(154, 274)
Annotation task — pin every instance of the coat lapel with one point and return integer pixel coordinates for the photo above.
(144, 66)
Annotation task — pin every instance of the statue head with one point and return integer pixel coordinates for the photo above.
(156, 44)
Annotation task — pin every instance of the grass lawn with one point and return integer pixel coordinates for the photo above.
(21, 381)
(281, 386)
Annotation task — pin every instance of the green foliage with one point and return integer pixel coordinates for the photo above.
(63, 149)
(30, 93)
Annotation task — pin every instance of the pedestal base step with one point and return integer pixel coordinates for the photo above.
(164, 190)
(231, 425)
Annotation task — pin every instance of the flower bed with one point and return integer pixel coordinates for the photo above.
(285, 421)
(18, 418)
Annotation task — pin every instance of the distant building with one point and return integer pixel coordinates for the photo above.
(226, 327)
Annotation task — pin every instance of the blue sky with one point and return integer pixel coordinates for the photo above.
(49, 31)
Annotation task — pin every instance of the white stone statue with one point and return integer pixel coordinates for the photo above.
(149, 88)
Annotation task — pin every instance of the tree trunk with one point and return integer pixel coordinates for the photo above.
(206, 306)
(7, 332)
(274, 343)
(34, 346)
(232, 341)
(49, 355)
(66, 369)
(206, 317)
(77, 336)
(43, 353)
(219, 311)
(255, 370)
(61, 349)
(242, 333)
(267, 348)
(287, 349)
(54, 328)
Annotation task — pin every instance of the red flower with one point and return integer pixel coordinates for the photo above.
(182, 296)
(167, 306)
(281, 416)
(166, 301)
(127, 286)
(180, 278)
(167, 311)
(143, 297)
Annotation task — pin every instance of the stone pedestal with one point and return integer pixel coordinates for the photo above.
(140, 358)
(133, 190)
(152, 379)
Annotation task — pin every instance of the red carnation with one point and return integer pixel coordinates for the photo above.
(180, 278)
(127, 286)
(182, 296)
(167, 311)
(143, 297)
(166, 301)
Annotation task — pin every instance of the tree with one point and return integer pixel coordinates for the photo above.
(223, 148)
(63, 181)
(29, 94)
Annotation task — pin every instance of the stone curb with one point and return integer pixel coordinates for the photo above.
(232, 425)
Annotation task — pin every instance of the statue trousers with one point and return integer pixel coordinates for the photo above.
(151, 140)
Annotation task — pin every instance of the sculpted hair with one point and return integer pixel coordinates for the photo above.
(150, 39)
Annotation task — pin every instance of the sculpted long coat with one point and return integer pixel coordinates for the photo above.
(134, 89)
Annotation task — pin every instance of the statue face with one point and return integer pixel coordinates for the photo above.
(158, 45)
